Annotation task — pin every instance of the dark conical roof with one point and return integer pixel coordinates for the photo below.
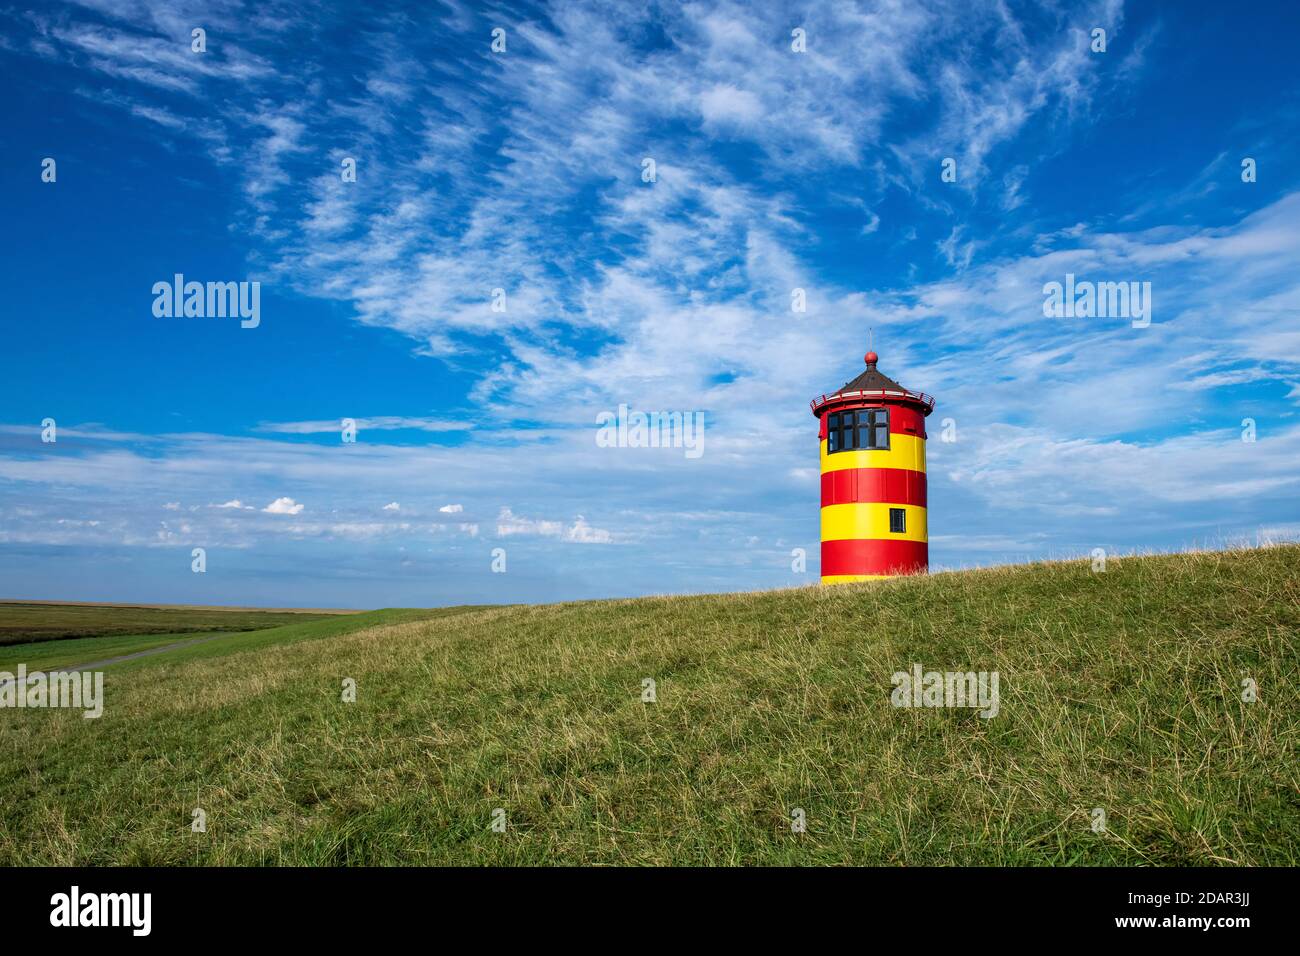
(869, 382)
(871, 379)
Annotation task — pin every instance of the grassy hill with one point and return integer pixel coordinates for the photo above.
(1119, 691)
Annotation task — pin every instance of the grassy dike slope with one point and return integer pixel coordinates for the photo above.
(1118, 690)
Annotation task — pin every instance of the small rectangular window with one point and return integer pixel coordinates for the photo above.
(880, 428)
(897, 521)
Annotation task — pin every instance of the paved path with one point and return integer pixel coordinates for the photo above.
(128, 657)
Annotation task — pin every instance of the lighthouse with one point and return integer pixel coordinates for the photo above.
(872, 434)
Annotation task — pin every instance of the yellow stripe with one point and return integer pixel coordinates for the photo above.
(856, 521)
(905, 451)
(853, 578)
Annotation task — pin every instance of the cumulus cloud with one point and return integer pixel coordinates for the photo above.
(508, 523)
(580, 532)
(283, 506)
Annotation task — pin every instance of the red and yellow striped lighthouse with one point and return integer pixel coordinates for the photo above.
(873, 479)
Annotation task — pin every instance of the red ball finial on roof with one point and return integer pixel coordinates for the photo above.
(871, 358)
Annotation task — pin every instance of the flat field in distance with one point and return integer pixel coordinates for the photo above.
(23, 622)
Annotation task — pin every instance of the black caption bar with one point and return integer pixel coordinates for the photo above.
(136, 906)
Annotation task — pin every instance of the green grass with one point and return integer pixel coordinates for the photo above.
(293, 633)
(1118, 690)
(51, 654)
(22, 622)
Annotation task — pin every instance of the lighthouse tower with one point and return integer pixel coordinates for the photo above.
(873, 479)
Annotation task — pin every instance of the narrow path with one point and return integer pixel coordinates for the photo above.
(129, 657)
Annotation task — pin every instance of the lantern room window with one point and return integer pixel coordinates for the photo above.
(866, 429)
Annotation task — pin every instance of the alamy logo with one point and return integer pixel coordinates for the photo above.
(626, 429)
(946, 689)
(1104, 300)
(103, 909)
(212, 300)
(78, 690)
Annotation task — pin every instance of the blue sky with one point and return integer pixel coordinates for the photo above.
(522, 170)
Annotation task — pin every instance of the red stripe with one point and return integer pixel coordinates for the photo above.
(874, 557)
(903, 420)
(898, 486)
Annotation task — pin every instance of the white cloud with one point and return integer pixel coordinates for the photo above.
(724, 104)
(583, 533)
(283, 506)
(392, 506)
(509, 524)
(580, 532)
(451, 509)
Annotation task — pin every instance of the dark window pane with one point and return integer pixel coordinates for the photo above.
(834, 422)
(897, 521)
(832, 441)
(864, 436)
